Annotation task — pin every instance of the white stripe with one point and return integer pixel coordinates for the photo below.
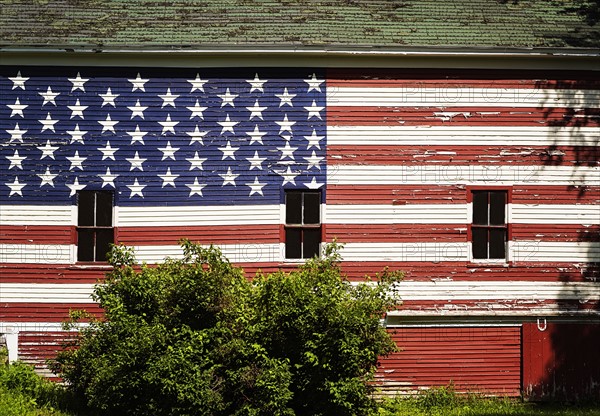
(463, 135)
(37, 253)
(46, 292)
(583, 214)
(489, 175)
(519, 251)
(446, 96)
(127, 216)
(407, 290)
(236, 253)
(397, 214)
(37, 326)
(60, 215)
(190, 216)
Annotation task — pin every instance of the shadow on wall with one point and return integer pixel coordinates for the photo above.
(567, 354)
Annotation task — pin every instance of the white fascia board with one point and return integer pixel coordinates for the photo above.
(308, 57)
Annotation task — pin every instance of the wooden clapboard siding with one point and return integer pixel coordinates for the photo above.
(482, 359)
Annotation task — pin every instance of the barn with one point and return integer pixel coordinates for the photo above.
(458, 142)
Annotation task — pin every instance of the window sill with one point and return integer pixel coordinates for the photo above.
(489, 263)
(90, 266)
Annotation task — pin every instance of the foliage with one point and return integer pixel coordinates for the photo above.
(194, 336)
(444, 401)
(22, 392)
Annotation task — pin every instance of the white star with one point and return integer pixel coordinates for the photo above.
(197, 111)
(314, 110)
(77, 109)
(198, 83)
(108, 124)
(314, 184)
(76, 161)
(168, 152)
(108, 98)
(47, 150)
(313, 161)
(108, 178)
(227, 124)
(168, 125)
(78, 83)
(16, 187)
(196, 188)
(49, 96)
(256, 111)
(228, 151)
(76, 135)
(17, 108)
(286, 98)
(74, 187)
(314, 83)
(138, 83)
(18, 82)
(16, 135)
(256, 135)
(287, 151)
(285, 125)
(313, 140)
(196, 162)
(196, 135)
(256, 187)
(48, 124)
(168, 98)
(47, 178)
(137, 135)
(136, 162)
(288, 176)
(256, 84)
(229, 177)
(136, 189)
(168, 178)
(15, 160)
(255, 161)
(137, 110)
(108, 152)
(227, 98)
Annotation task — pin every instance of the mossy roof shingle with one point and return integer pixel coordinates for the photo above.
(118, 24)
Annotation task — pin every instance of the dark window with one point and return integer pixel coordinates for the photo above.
(302, 224)
(489, 231)
(95, 231)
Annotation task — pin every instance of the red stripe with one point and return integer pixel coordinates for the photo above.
(218, 234)
(456, 194)
(457, 78)
(43, 312)
(463, 271)
(472, 305)
(43, 273)
(462, 116)
(454, 154)
(449, 233)
(37, 234)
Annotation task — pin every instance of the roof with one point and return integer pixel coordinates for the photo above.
(381, 24)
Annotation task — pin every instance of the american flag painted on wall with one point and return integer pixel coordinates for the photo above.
(158, 139)
(207, 154)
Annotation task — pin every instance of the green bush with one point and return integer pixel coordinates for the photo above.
(194, 336)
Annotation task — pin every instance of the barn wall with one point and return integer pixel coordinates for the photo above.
(401, 151)
(472, 358)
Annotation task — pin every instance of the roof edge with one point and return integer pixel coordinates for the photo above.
(306, 57)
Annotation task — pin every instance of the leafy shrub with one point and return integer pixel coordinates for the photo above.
(194, 336)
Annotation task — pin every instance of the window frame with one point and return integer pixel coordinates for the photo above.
(507, 224)
(301, 226)
(95, 229)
